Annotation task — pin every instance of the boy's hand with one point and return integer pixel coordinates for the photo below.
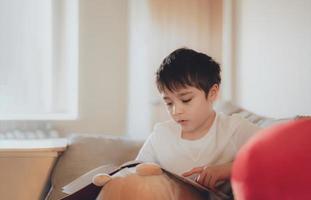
(210, 175)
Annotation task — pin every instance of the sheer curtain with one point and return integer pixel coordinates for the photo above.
(38, 59)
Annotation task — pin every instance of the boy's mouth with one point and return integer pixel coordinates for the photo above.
(182, 122)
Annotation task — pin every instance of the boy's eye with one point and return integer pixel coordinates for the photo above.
(186, 100)
(168, 103)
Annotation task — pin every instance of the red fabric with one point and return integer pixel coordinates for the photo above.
(275, 164)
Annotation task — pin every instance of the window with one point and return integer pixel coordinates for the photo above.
(38, 59)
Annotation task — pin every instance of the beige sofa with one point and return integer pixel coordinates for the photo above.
(85, 153)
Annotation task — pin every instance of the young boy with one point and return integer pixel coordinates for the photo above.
(197, 141)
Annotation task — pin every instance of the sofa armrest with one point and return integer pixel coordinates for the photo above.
(85, 153)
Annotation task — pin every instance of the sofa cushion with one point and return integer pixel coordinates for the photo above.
(229, 108)
(85, 153)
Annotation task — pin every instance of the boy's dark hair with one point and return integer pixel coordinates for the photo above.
(186, 67)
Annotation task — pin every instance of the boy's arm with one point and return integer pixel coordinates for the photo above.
(209, 176)
(243, 133)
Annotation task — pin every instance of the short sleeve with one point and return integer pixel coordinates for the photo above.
(159, 144)
(147, 152)
(244, 131)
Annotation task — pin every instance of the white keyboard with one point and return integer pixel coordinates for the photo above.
(28, 135)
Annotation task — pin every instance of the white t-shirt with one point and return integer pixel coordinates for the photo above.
(166, 147)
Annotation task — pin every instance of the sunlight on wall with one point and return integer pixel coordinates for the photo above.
(156, 29)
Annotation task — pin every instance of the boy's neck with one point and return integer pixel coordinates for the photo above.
(202, 131)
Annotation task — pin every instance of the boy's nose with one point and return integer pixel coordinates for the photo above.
(176, 110)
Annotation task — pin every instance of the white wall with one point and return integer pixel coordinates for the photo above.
(273, 56)
(103, 68)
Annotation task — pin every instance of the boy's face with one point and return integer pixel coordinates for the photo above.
(190, 107)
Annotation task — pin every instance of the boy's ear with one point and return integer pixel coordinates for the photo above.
(213, 92)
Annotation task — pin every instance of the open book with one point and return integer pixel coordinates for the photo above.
(83, 188)
(86, 179)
